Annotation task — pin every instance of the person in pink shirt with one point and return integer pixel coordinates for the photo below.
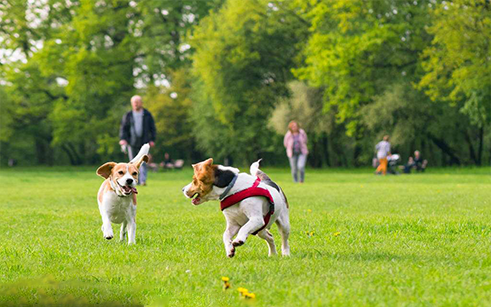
(295, 142)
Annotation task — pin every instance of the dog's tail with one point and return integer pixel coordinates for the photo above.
(143, 151)
(255, 171)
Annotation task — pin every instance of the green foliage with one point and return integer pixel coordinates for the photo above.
(243, 56)
(171, 109)
(358, 48)
(458, 62)
(75, 65)
(68, 70)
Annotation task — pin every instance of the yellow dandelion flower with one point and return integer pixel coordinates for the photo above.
(226, 285)
(250, 295)
(242, 290)
(337, 233)
(225, 279)
(309, 210)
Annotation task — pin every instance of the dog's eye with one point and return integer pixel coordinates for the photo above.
(134, 174)
(121, 172)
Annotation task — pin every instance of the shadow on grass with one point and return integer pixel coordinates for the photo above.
(47, 291)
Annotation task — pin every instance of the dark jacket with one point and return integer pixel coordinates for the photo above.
(149, 131)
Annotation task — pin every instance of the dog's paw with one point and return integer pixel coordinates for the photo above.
(231, 253)
(109, 237)
(236, 243)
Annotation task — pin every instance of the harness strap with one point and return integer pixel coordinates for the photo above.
(229, 187)
(254, 190)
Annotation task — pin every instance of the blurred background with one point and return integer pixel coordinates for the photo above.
(223, 79)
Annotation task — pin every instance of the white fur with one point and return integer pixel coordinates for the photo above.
(247, 216)
(118, 210)
(143, 151)
(254, 167)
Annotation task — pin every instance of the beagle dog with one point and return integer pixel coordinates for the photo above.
(117, 195)
(250, 203)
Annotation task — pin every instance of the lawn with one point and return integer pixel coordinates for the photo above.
(357, 239)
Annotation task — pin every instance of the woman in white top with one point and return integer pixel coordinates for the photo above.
(383, 151)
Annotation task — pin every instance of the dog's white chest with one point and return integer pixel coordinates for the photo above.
(118, 209)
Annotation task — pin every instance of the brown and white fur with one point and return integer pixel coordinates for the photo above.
(117, 198)
(247, 216)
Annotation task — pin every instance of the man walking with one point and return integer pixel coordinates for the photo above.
(383, 151)
(137, 128)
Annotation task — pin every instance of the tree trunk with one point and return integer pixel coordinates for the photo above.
(480, 148)
(325, 148)
(471, 148)
(40, 151)
(445, 149)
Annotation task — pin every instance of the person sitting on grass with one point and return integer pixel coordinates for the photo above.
(417, 162)
(167, 163)
(151, 164)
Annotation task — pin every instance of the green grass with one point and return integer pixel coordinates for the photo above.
(420, 239)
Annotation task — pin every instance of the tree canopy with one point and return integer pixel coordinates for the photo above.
(223, 78)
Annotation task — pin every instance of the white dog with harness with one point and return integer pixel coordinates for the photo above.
(250, 203)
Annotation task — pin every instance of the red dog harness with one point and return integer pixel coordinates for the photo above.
(250, 192)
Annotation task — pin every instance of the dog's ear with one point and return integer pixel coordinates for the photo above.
(208, 163)
(205, 164)
(105, 170)
(139, 162)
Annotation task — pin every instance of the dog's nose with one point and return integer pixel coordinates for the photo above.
(129, 181)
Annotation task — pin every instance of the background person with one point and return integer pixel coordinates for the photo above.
(167, 163)
(295, 142)
(137, 128)
(383, 151)
(418, 163)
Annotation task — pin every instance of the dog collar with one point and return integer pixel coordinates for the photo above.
(229, 187)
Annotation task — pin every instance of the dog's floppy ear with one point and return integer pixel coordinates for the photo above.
(105, 170)
(139, 162)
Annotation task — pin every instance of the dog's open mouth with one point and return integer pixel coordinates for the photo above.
(196, 200)
(127, 190)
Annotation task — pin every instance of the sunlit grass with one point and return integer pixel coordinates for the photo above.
(356, 239)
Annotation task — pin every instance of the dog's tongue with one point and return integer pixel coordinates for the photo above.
(134, 190)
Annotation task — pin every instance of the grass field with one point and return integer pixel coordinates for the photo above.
(420, 239)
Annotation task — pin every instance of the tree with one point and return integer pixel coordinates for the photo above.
(243, 57)
(327, 143)
(458, 63)
(171, 108)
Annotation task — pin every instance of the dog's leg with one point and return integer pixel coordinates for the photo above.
(122, 233)
(107, 229)
(253, 208)
(283, 223)
(252, 225)
(266, 235)
(131, 232)
(229, 233)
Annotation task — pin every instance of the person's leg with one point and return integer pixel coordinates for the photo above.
(383, 163)
(302, 159)
(293, 166)
(142, 178)
(379, 167)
